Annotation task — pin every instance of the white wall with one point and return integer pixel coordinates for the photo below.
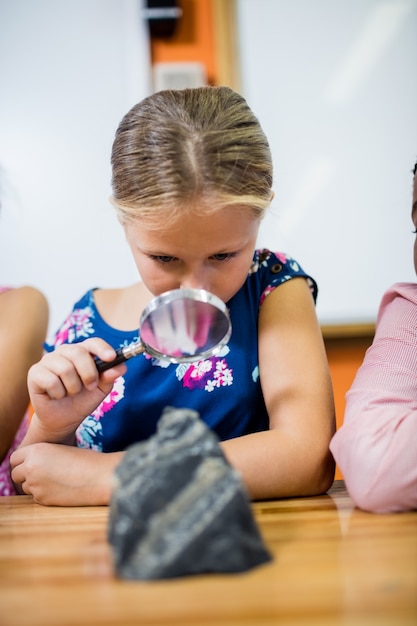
(333, 83)
(69, 71)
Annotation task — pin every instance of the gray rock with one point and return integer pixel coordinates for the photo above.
(178, 507)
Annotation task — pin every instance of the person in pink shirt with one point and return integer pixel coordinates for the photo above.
(376, 447)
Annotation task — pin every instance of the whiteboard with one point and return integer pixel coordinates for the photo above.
(333, 85)
(69, 71)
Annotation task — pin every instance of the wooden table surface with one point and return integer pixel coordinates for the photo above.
(333, 565)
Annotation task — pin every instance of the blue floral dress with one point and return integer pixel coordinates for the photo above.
(225, 389)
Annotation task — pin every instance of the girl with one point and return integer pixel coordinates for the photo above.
(192, 179)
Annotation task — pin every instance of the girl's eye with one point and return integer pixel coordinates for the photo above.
(224, 256)
(162, 258)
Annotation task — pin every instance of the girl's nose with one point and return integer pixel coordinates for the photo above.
(195, 281)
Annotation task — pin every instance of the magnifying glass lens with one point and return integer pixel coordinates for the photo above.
(181, 325)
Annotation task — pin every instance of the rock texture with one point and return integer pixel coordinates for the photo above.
(178, 508)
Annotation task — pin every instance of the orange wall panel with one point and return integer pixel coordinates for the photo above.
(193, 39)
(345, 357)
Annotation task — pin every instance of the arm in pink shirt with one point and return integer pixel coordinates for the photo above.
(376, 447)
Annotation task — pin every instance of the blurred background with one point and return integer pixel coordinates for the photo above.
(332, 82)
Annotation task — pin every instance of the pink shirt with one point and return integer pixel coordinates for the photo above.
(376, 447)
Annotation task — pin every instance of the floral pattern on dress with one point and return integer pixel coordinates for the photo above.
(78, 325)
(90, 432)
(261, 258)
(222, 376)
(208, 374)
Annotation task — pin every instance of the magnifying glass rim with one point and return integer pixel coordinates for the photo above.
(196, 295)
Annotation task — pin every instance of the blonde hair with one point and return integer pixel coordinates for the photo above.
(201, 149)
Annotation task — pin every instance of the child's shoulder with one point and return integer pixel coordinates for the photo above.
(25, 298)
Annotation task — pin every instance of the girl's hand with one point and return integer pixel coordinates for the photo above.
(60, 475)
(65, 387)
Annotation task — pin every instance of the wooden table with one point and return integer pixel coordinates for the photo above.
(333, 565)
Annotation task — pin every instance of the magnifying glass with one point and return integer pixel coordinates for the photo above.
(179, 326)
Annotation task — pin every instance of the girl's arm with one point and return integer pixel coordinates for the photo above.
(60, 475)
(293, 457)
(23, 326)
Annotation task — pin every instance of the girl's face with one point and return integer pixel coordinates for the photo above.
(212, 252)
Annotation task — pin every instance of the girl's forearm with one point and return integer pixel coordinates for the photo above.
(37, 433)
(274, 464)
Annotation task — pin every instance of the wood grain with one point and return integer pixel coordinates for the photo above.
(333, 565)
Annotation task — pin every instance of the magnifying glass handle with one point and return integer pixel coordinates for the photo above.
(123, 354)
